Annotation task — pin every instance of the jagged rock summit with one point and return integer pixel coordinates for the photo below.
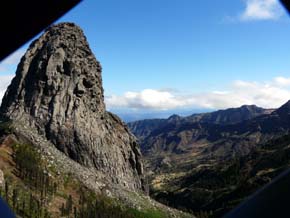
(57, 91)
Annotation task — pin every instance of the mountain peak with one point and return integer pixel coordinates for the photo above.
(58, 92)
(284, 110)
(174, 117)
(249, 106)
(62, 26)
(61, 53)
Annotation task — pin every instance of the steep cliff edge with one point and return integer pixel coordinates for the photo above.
(58, 93)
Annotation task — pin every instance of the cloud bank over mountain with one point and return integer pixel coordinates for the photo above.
(269, 94)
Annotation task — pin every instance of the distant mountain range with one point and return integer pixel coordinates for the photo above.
(142, 128)
(132, 115)
(223, 133)
(205, 161)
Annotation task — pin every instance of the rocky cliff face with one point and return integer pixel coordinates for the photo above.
(58, 92)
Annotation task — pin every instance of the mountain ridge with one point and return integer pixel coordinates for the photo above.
(225, 116)
(190, 134)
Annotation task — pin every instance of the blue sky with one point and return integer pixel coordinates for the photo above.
(185, 54)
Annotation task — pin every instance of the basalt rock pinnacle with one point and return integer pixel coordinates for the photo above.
(58, 92)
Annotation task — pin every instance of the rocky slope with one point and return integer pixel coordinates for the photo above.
(39, 182)
(216, 188)
(55, 103)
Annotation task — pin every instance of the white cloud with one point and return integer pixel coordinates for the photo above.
(147, 98)
(4, 82)
(271, 94)
(261, 10)
(282, 81)
(11, 61)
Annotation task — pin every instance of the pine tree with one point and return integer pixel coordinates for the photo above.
(62, 210)
(69, 205)
(14, 198)
(75, 212)
(31, 206)
(23, 207)
(7, 192)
